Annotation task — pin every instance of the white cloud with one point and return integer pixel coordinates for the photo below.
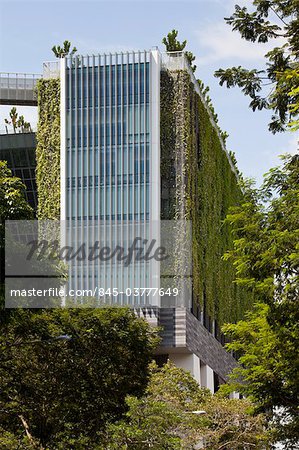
(218, 43)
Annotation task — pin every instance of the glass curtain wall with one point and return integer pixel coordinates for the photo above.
(107, 160)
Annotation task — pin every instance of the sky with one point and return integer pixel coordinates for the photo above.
(29, 29)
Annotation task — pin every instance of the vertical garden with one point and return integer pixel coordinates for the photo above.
(48, 149)
(198, 184)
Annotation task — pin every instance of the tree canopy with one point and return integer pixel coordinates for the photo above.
(13, 206)
(64, 373)
(17, 122)
(275, 87)
(62, 52)
(266, 257)
(172, 44)
(175, 413)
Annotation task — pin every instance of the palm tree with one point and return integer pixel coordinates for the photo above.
(24, 127)
(62, 52)
(13, 119)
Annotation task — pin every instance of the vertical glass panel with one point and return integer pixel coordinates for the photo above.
(74, 198)
(142, 199)
(136, 200)
(96, 166)
(91, 211)
(102, 201)
(96, 201)
(125, 199)
(108, 200)
(130, 199)
(79, 204)
(107, 87)
(125, 160)
(85, 202)
(130, 159)
(85, 162)
(119, 161)
(113, 206)
(119, 192)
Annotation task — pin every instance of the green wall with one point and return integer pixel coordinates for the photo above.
(48, 149)
(201, 188)
(197, 184)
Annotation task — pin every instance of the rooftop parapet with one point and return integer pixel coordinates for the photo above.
(51, 69)
(18, 88)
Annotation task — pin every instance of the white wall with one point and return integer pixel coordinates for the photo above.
(188, 362)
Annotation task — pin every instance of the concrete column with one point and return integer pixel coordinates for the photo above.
(155, 153)
(207, 377)
(188, 362)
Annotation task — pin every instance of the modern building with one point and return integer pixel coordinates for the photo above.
(18, 149)
(139, 148)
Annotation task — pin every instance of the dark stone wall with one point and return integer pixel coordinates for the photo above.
(183, 332)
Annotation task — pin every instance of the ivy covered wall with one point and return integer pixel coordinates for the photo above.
(198, 184)
(48, 149)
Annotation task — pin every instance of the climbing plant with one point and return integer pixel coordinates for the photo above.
(48, 149)
(200, 186)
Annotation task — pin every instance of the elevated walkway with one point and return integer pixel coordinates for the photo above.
(18, 89)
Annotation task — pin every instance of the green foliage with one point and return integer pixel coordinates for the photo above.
(164, 418)
(12, 441)
(266, 232)
(173, 45)
(13, 119)
(13, 206)
(269, 370)
(48, 149)
(294, 95)
(66, 390)
(266, 257)
(198, 184)
(276, 87)
(204, 90)
(62, 52)
(24, 126)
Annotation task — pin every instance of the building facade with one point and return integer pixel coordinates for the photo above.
(18, 149)
(110, 157)
(132, 143)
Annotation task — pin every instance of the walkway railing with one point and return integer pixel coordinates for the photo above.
(18, 88)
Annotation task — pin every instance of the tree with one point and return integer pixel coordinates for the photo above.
(265, 372)
(24, 126)
(62, 52)
(276, 87)
(173, 45)
(13, 119)
(60, 380)
(266, 258)
(13, 205)
(175, 413)
(17, 122)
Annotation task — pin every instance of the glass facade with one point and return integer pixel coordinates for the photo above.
(19, 152)
(107, 137)
(107, 159)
